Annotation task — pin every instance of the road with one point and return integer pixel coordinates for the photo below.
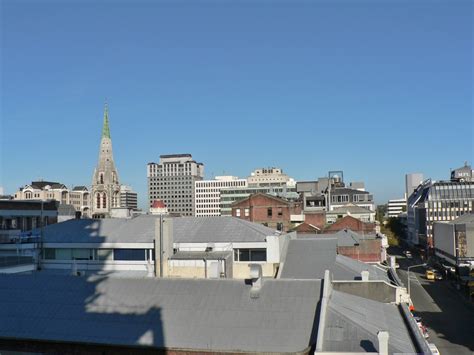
(448, 316)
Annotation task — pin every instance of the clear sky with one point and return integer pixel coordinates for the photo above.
(374, 88)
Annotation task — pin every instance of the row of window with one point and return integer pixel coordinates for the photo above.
(94, 254)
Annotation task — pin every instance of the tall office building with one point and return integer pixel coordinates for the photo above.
(128, 197)
(412, 181)
(105, 182)
(208, 194)
(437, 201)
(395, 207)
(172, 181)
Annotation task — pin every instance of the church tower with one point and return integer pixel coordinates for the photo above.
(105, 182)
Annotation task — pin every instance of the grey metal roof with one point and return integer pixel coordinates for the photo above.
(308, 259)
(352, 324)
(141, 229)
(349, 208)
(199, 255)
(467, 218)
(345, 237)
(66, 210)
(216, 315)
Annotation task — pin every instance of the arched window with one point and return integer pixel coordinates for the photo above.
(104, 200)
(101, 178)
(27, 195)
(98, 200)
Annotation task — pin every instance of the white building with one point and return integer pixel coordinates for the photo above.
(128, 197)
(208, 194)
(395, 207)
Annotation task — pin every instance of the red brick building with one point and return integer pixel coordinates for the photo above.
(354, 224)
(271, 211)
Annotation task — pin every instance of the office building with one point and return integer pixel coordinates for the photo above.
(105, 181)
(412, 181)
(128, 198)
(395, 207)
(208, 194)
(172, 181)
(436, 201)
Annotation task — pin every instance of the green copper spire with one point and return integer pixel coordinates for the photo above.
(106, 129)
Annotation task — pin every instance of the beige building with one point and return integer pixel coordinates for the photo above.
(270, 177)
(78, 196)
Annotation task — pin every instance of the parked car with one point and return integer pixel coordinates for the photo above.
(407, 253)
(438, 275)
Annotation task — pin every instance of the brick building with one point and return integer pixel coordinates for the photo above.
(354, 224)
(268, 210)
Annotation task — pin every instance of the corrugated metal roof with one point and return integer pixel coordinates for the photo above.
(217, 315)
(141, 229)
(352, 324)
(308, 258)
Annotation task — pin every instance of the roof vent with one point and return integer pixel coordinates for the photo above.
(256, 280)
(365, 275)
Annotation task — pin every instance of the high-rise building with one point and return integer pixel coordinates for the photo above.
(128, 197)
(172, 181)
(208, 194)
(436, 201)
(412, 181)
(105, 181)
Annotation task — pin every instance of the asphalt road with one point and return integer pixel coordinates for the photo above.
(448, 316)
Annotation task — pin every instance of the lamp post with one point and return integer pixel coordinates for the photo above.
(410, 267)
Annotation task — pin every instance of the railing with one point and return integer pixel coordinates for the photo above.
(14, 260)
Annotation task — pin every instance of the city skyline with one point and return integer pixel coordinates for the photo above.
(277, 91)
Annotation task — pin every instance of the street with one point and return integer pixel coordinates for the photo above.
(448, 316)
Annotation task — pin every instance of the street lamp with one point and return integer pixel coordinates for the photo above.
(410, 267)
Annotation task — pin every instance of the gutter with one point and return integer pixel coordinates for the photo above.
(327, 288)
(417, 337)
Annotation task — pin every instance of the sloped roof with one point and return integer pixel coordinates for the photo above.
(467, 218)
(80, 188)
(350, 208)
(352, 324)
(141, 229)
(66, 210)
(345, 237)
(212, 315)
(308, 258)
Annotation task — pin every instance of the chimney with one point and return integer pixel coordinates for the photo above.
(382, 337)
(256, 280)
(365, 275)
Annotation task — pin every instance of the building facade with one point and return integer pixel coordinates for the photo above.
(270, 177)
(395, 207)
(431, 202)
(128, 198)
(78, 196)
(271, 211)
(208, 194)
(105, 181)
(173, 180)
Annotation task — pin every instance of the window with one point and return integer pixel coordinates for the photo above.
(98, 200)
(129, 254)
(81, 254)
(104, 254)
(259, 254)
(49, 254)
(104, 200)
(269, 212)
(247, 212)
(237, 212)
(280, 212)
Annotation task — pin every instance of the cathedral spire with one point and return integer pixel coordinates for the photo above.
(105, 128)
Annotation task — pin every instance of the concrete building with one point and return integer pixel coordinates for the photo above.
(128, 198)
(395, 207)
(193, 247)
(454, 242)
(105, 181)
(412, 181)
(271, 211)
(208, 194)
(173, 180)
(431, 202)
(270, 177)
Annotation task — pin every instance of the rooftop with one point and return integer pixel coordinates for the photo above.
(141, 229)
(211, 315)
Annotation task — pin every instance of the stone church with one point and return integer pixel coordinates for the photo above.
(105, 182)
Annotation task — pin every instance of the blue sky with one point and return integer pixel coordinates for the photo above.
(374, 88)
